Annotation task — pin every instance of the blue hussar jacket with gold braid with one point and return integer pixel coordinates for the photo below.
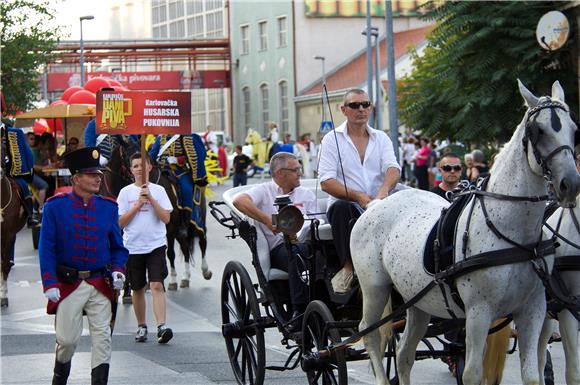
(84, 236)
(189, 146)
(19, 154)
(106, 145)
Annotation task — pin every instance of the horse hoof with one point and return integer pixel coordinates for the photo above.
(207, 275)
(4, 302)
(172, 286)
(184, 283)
(127, 300)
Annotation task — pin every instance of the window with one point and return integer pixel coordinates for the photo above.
(263, 32)
(175, 9)
(245, 39)
(282, 32)
(177, 29)
(160, 32)
(246, 106)
(215, 24)
(198, 108)
(265, 107)
(283, 94)
(194, 6)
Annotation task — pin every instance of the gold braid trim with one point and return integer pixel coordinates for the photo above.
(191, 154)
(15, 157)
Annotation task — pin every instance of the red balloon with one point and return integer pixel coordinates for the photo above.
(114, 82)
(69, 92)
(40, 126)
(51, 125)
(96, 84)
(58, 102)
(83, 97)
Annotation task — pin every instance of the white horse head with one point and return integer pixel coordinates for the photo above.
(549, 154)
(389, 239)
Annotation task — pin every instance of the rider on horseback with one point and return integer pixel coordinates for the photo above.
(18, 160)
(182, 157)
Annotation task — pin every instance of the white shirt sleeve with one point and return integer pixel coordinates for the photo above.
(389, 160)
(327, 168)
(163, 199)
(122, 201)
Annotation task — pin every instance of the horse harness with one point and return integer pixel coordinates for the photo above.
(534, 252)
(559, 296)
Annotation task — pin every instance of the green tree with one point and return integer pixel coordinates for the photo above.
(27, 43)
(464, 86)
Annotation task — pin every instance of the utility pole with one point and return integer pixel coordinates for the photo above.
(392, 85)
(369, 57)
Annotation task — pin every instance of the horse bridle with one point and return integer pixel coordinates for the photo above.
(532, 136)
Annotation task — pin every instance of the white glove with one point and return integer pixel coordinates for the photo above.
(171, 160)
(103, 161)
(53, 294)
(118, 280)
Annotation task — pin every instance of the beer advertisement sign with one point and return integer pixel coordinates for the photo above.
(138, 112)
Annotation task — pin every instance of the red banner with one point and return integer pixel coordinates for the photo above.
(152, 80)
(133, 112)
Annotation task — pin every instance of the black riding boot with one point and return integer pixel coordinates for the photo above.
(61, 372)
(31, 219)
(100, 375)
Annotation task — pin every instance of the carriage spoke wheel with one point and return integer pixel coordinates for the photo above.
(243, 336)
(317, 336)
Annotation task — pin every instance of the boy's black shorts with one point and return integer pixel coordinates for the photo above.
(142, 266)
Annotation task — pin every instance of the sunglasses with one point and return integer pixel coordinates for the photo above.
(357, 105)
(448, 168)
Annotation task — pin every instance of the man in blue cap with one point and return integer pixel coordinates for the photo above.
(82, 261)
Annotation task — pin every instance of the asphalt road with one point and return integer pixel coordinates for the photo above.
(196, 355)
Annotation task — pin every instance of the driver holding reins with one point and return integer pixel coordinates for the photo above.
(357, 165)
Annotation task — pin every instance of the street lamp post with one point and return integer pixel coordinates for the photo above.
(322, 59)
(88, 17)
(378, 111)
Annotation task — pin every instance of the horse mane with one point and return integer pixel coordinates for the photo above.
(516, 140)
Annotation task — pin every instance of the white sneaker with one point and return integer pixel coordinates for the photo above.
(141, 335)
(342, 281)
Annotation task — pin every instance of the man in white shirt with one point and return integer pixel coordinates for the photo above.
(357, 165)
(144, 210)
(211, 140)
(258, 204)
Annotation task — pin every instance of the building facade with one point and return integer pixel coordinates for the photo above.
(262, 67)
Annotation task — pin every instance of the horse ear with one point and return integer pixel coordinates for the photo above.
(557, 91)
(529, 98)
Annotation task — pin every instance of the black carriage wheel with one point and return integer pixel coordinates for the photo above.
(315, 337)
(391, 370)
(243, 336)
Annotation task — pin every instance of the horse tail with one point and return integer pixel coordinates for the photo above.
(495, 354)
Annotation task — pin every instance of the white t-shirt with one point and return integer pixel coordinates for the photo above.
(146, 231)
(211, 140)
(263, 196)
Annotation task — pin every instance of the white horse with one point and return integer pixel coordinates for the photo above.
(568, 323)
(388, 241)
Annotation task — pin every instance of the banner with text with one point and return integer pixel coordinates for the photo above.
(133, 112)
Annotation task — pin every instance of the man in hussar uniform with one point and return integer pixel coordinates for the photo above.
(183, 157)
(82, 261)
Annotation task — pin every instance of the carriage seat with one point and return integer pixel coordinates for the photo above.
(271, 274)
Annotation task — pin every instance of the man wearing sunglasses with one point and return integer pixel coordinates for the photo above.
(450, 169)
(357, 165)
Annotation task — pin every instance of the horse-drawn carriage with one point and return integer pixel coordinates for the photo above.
(501, 267)
(328, 318)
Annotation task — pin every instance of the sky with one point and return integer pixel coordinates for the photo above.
(68, 13)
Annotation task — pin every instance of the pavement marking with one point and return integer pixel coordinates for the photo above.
(126, 367)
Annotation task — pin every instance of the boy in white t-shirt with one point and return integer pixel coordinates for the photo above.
(144, 210)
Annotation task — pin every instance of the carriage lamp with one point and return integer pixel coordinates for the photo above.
(289, 219)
